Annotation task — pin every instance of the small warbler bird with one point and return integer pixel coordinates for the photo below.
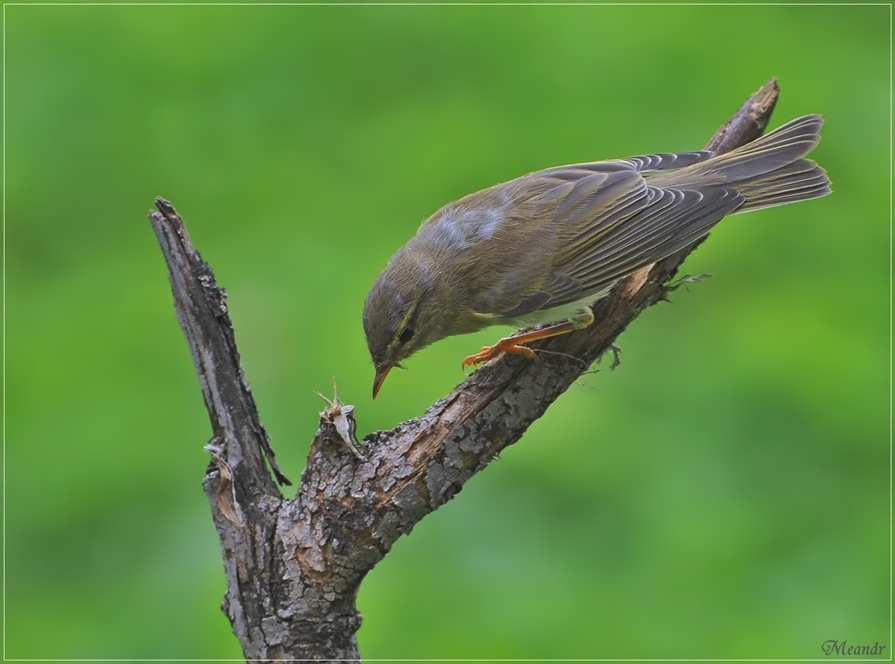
(544, 247)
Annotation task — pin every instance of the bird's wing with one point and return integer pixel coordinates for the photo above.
(598, 222)
(610, 221)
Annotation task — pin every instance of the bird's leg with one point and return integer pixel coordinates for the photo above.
(512, 344)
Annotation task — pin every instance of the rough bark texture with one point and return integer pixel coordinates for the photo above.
(294, 567)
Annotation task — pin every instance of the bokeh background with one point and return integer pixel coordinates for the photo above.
(723, 494)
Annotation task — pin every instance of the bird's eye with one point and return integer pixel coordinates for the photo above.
(406, 335)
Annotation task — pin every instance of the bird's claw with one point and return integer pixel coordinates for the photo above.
(507, 345)
(487, 353)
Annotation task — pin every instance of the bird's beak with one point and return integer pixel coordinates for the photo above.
(381, 373)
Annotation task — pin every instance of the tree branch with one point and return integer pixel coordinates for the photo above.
(294, 567)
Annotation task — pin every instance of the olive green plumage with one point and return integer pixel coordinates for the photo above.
(542, 247)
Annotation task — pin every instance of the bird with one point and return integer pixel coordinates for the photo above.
(544, 247)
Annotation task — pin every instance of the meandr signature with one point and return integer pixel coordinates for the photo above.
(836, 647)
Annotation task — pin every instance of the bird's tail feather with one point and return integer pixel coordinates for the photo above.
(801, 180)
(768, 171)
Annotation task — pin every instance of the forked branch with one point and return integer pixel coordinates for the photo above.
(294, 566)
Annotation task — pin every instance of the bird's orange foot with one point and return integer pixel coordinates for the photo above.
(506, 345)
(513, 344)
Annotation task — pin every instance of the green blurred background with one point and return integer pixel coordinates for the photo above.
(723, 494)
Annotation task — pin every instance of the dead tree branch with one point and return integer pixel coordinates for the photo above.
(294, 566)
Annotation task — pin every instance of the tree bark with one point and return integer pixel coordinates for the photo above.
(294, 566)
